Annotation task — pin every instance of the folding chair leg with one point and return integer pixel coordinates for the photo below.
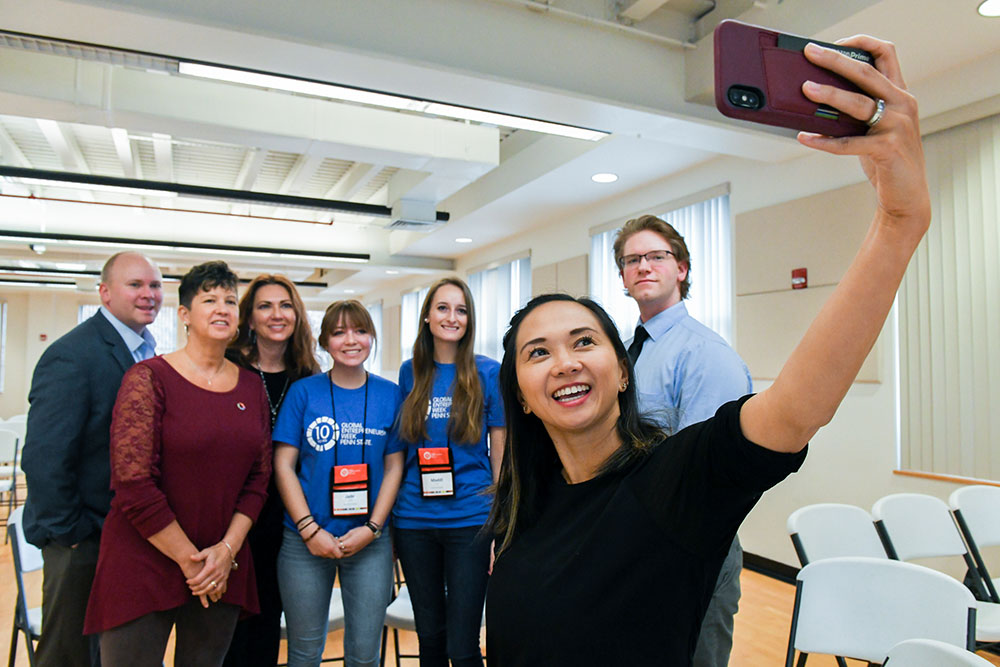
(13, 644)
(395, 640)
(385, 636)
(802, 659)
(841, 662)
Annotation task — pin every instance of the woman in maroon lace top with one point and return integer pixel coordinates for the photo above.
(190, 461)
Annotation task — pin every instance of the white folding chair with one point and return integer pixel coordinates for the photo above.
(18, 418)
(398, 616)
(9, 466)
(977, 512)
(833, 530)
(335, 620)
(915, 525)
(931, 653)
(27, 558)
(862, 607)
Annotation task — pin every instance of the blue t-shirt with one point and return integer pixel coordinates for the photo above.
(473, 473)
(306, 422)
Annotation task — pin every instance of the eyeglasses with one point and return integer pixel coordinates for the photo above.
(653, 257)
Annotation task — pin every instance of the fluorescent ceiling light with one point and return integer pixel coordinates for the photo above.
(384, 100)
(391, 272)
(463, 239)
(25, 283)
(989, 8)
(604, 178)
(70, 266)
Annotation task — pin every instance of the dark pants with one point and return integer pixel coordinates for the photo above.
(257, 638)
(446, 573)
(68, 574)
(715, 641)
(202, 637)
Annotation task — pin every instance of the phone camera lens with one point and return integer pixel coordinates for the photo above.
(746, 98)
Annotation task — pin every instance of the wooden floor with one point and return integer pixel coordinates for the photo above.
(760, 637)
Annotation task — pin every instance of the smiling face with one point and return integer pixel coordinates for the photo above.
(655, 287)
(273, 315)
(448, 317)
(567, 371)
(213, 314)
(349, 344)
(133, 292)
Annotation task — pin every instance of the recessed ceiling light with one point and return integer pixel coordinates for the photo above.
(989, 8)
(463, 239)
(604, 177)
(391, 272)
(349, 291)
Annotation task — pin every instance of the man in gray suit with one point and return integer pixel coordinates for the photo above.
(66, 462)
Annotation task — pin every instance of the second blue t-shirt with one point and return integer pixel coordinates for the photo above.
(306, 422)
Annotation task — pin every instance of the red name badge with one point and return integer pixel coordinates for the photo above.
(437, 476)
(350, 489)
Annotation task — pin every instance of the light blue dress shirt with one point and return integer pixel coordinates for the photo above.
(141, 346)
(686, 371)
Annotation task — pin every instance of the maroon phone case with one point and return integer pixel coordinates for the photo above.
(748, 56)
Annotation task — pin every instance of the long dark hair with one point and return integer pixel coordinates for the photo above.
(466, 422)
(300, 358)
(529, 457)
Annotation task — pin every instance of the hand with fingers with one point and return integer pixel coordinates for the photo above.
(356, 539)
(891, 152)
(325, 545)
(211, 581)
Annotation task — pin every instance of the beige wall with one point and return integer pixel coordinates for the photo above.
(569, 276)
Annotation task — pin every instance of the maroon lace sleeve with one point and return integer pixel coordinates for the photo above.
(135, 451)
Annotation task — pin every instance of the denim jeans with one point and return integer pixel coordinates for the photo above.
(446, 572)
(306, 583)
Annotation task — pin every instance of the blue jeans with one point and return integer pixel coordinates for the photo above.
(446, 572)
(306, 583)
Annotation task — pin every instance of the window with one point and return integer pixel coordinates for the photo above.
(409, 316)
(707, 231)
(315, 323)
(374, 363)
(3, 342)
(949, 365)
(164, 328)
(498, 293)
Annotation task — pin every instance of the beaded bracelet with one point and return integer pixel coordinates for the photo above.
(312, 535)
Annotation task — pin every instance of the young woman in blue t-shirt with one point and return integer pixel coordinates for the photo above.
(338, 468)
(452, 421)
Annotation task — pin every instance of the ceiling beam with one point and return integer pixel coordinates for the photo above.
(298, 176)
(163, 151)
(10, 151)
(641, 9)
(63, 143)
(355, 178)
(253, 160)
(123, 148)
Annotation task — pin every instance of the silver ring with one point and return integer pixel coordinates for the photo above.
(212, 584)
(879, 110)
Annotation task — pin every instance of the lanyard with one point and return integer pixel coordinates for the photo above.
(364, 421)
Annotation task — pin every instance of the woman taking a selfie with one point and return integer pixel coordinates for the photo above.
(338, 468)
(452, 422)
(190, 460)
(273, 341)
(609, 536)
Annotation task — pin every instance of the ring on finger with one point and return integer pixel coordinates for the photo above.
(212, 584)
(879, 111)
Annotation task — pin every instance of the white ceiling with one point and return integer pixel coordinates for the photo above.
(591, 63)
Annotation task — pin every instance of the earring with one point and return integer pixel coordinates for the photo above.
(427, 320)
(253, 336)
(623, 386)
(185, 329)
(527, 410)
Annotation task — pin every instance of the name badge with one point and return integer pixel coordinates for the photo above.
(437, 474)
(349, 487)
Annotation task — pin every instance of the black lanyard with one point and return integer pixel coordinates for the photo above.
(364, 420)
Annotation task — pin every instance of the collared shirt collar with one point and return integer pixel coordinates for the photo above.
(664, 320)
(133, 341)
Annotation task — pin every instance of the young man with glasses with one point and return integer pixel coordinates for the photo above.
(684, 373)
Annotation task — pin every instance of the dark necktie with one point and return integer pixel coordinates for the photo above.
(636, 347)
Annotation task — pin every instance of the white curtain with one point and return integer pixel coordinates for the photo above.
(949, 313)
(164, 328)
(606, 285)
(498, 293)
(409, 314)
(374, 363)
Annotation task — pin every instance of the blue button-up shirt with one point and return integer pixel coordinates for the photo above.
(686, 371)
(141, 346)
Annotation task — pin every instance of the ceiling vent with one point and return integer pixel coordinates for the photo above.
(415, 216)
(88, 52)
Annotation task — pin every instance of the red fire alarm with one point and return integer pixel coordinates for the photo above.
(799, 279)
(43, 337)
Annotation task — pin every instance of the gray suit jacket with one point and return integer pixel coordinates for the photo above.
(65, 459)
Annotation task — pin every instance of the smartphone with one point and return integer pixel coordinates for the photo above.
(759, 75)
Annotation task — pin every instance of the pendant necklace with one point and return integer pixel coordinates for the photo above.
(273, 406)
(208, 378)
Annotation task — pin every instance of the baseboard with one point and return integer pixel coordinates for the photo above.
(771, 568)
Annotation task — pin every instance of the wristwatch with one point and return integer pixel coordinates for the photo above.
(375, 528)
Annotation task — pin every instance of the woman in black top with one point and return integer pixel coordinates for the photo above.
(274, 340)
(609, 536)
